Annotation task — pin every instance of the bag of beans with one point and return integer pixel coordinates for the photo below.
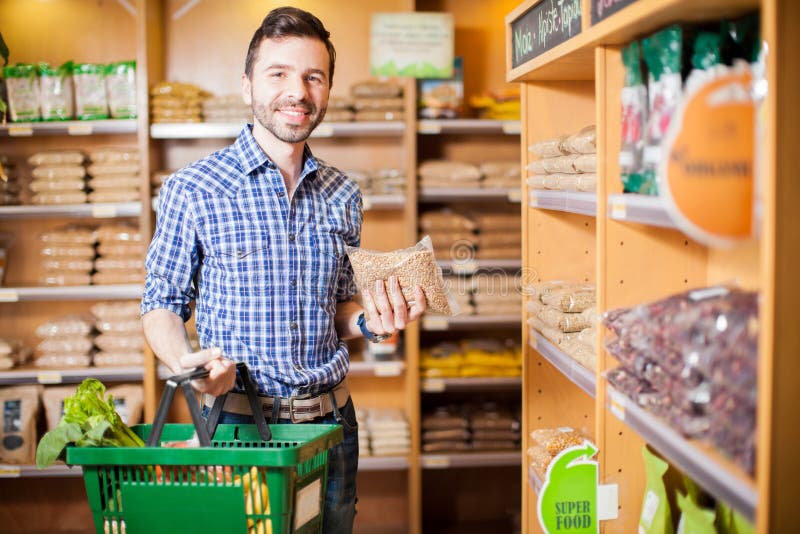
(413, 266)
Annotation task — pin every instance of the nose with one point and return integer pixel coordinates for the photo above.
(296, 88)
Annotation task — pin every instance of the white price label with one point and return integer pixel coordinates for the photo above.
(433, 385)
(515, 195)
(512, 127)
(10, 471)
(436, 462)
(20, 131)
(435, 323)
(324, 130)
(465, 267)
(8, 295)
(80, 128)
(617, 406)
(618, 210)
(104, 211)
(49, 377)
(388, 369)
(533, 200)
(429, 127)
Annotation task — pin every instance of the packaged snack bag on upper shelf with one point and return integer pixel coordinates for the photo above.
(23, 92)
(176, 102)
(91, 99)
(634, 119)
(121, 255)
(501, 105)
(374, 100)
(442, 98)
(56, 92)
(120, 78)
(565, 163)
(68, 256)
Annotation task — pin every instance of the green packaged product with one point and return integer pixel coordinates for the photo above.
(741, 39)
(121, 87)
(55, 91)
(732, 522)
(634, 117)
(656, 517)
(663, 53)
(90, 91)
(707, 50)
(694, 518)
(23, 92)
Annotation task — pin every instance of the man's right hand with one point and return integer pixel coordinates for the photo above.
(222, 371)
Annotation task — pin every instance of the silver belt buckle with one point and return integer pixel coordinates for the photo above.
(292, 417)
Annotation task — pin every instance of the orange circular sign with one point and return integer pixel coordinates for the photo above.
(708, 163)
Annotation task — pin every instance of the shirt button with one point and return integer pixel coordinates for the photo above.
(281, 193)
(291, 237)
(293, 282)
(293, 325)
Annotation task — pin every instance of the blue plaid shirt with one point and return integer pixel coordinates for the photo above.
(265, 272)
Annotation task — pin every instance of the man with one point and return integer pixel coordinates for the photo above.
(255, 234)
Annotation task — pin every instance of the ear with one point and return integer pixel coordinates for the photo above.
(247, 95)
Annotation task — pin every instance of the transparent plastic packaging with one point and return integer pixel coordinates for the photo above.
(375, 89)
(555, 440)
(120, 78)
(61, 361)
(68, 325)
(548, 148)
(118, 233)
(69, 235)
(583, 141)
(23, 92)
(56, 157)
(65, 344)
(449, 171)
(116, 310)
(414, 266)
(118, 358)
(56, 186)
(90, 93)
(59, 172)
(116, 342)
(55, 92)
(562, 164)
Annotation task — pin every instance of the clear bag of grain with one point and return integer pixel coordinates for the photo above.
(413, 266)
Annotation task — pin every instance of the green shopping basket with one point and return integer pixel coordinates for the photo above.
(254, 479)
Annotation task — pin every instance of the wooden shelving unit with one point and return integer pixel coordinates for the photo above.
(631, 249)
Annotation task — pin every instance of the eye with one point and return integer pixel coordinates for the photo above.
(315, 78)
(276, 74)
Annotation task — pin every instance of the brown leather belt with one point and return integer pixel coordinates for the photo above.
(297, 409)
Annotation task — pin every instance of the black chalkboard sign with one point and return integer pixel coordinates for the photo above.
(602, 9)
(542, 27)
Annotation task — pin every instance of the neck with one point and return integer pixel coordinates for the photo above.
(288, 157)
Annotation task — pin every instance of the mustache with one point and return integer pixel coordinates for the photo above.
(307, 107)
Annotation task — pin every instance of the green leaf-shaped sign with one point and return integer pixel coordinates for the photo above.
(568, 500)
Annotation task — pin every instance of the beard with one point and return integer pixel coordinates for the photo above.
(266, 115)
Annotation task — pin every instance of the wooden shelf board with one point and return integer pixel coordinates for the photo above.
(70, 376)
(75, 128)
(642, 209)
(58, 293)
(382, 463)
(439, 385)
(467, 126)
(470, 459)
(31, 471)
(581, 203)
(229, 130)
(575, 372)
(76, 211)
(700, 462)
(469, 194)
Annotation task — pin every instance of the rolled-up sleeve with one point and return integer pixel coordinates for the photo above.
(172, 259)
(346, 287)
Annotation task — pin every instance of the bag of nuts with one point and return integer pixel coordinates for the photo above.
(413, 266)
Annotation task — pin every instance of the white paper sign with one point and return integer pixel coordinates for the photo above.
(416, 45)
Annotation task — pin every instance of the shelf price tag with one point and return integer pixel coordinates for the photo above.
(49, 377)
(618, 210)
(435, 323)
(511, 127)
(8, 295)
(465, 267)
(433, 385)
(387, 369)
(515, 195)
(104, 211)
(436, 462)
(80, 128)
(10, 471)
(20, 131)
(617, 404)
(429, 127)
(324, 130)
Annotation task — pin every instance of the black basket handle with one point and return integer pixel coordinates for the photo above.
(205, 429)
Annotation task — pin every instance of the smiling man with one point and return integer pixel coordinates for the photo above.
(255, 235)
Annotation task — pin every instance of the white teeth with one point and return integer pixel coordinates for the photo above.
(295, 113)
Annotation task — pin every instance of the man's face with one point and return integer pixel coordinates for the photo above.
(289, 86)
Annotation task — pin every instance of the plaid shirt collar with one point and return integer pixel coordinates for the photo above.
(252, 158)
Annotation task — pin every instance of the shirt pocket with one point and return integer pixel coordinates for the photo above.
(243, 267)
(330, 251)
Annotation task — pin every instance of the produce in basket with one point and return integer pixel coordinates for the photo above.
(89, 420)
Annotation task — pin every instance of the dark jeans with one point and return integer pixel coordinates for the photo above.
(340, 496)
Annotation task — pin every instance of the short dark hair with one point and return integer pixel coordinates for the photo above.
(289, 22)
